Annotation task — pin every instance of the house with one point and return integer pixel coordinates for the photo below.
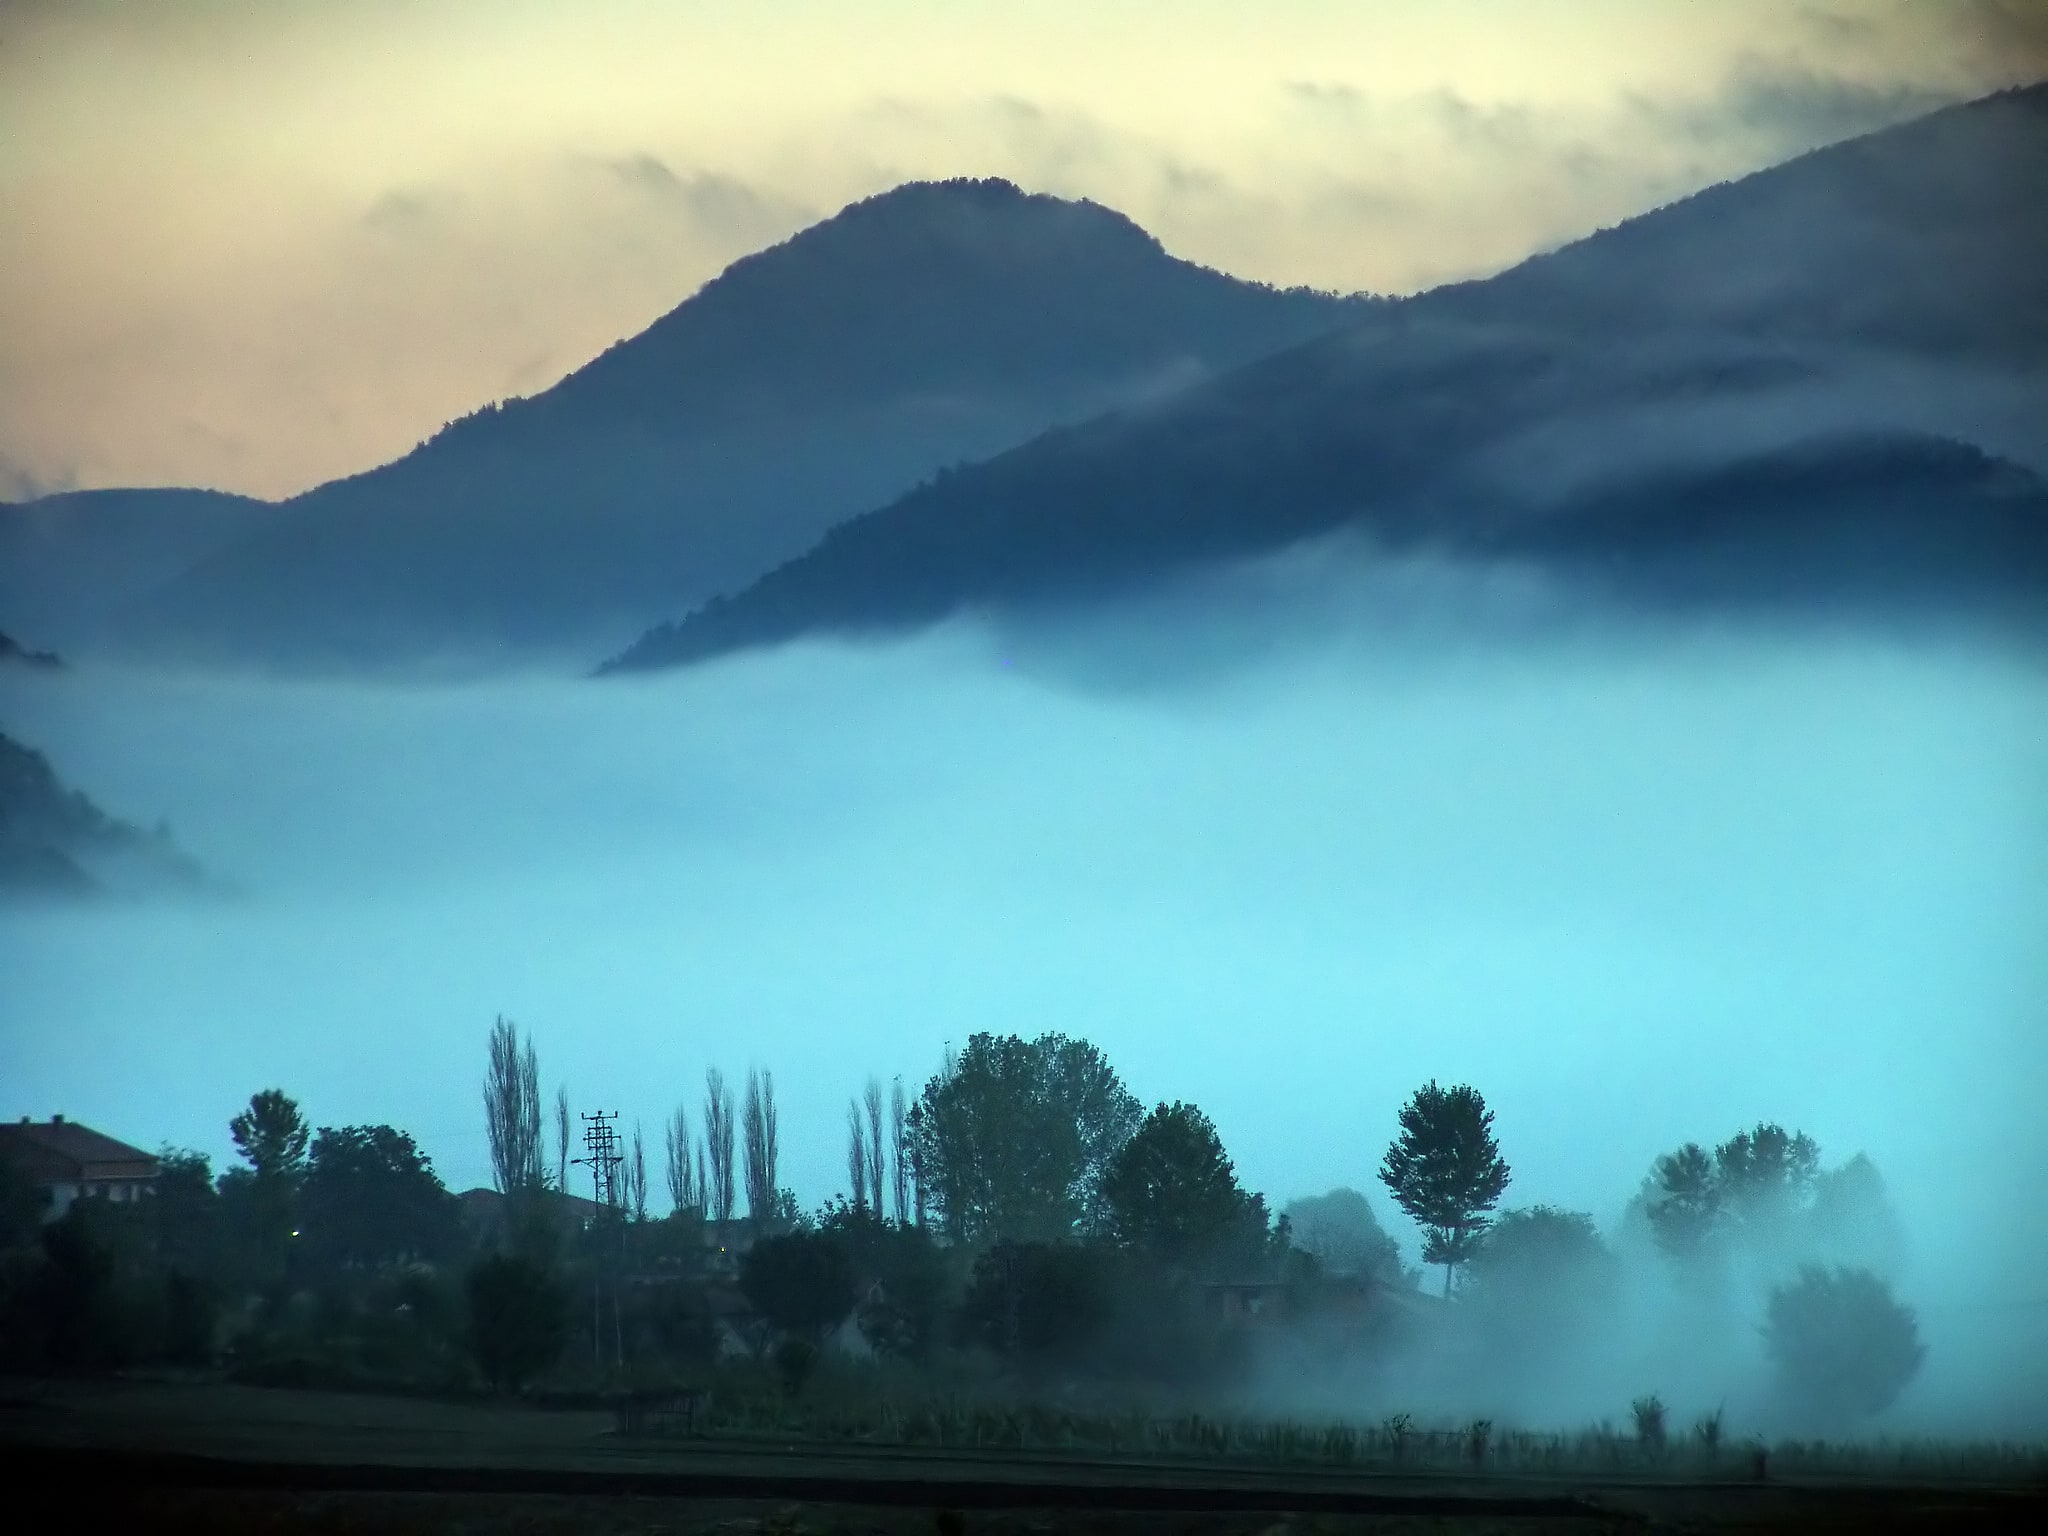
(66, 1161)
(1344, 1305)
(484, 1210)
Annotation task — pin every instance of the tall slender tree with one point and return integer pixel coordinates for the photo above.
(562, 1139)
(512, 1110)
(1445, 1170)
(636, 1176)
(878, 1163)
(898, 1137)
(856, 1155)
(685, 1186)
(719, 1147)
(760, 1146)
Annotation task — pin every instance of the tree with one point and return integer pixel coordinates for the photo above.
(185, 1213)
(518, 1319)
(1038, 1303)
(718, 1145)
(1445, 1170)
(1539, 1281)
(902, 1313)
(1755, 1193)
(800, 1283)
(1339, 1231)
(1766, 1177)
(1011, 1139)
(760, 1147)
(1172, 1193)
(562, 1139)
(636, 1176)
(1842, 1345)
(685, 1178)
(856, 1156)
(272, 1137)
(512, 1111)
(878, 1158)
(1852, 1221)
(22, 1203)
(371, 1197)
(1685, 1202)
(899, 1171)
(72, 1300)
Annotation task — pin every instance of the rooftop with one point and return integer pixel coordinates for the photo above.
(61, 1145)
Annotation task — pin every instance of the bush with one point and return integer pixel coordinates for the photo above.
(1842, 1345)
(795, 1359)
(800, 1283)
(1649, 1416)
(518, 1319)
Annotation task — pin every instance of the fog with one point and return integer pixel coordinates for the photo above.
(1639, 885)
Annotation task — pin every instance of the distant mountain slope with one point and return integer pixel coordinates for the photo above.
(70, 562)
(1884, 291)
(14, 654)
(934, 324)
(56, 842)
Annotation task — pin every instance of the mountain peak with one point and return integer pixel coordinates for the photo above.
(944, 289)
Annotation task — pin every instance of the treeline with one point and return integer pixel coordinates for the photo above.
(1022, 1221)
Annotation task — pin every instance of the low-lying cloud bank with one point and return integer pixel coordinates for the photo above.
(1638, 886)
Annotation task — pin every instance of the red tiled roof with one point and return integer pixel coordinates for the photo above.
(66, 1149)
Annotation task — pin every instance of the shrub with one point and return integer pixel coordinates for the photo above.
(801, 1283)
(1842, 1345)
(518, 1319)
(1649, 1417)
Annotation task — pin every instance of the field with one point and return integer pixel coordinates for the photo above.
(199, 1455)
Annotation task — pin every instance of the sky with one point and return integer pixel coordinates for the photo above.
(254, 246)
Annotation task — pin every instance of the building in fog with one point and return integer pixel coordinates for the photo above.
(68, 1161)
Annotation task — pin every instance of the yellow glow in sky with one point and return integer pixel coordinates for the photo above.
(256, 245)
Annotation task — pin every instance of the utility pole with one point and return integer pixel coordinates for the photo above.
(602, 1158)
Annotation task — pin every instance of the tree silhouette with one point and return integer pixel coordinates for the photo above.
(722, 1189)
(518, 1319)
(271, 1135)
(1445, 1171)
(759, 1143)
(1842, 1345)
(1012, 1138)
(1172, 1192)
(512, 1118)
(801, 1283)
(371, 1197)
(1341, 1233)
(1685, 1203)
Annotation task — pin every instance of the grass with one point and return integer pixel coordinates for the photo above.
(832, 1415)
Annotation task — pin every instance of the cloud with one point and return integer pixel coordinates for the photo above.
(20, 483)
(1792, 107)
(408, 211)
(2006, 39)
(732, 208)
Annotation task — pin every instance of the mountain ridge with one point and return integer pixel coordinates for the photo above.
(932, 325)
(1401, 424)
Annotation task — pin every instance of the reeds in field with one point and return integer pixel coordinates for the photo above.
(845, 1406)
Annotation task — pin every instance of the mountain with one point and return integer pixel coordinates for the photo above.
(14, 654)
(1872, 308)
(56, 842)
(70, 564)
(937, 323)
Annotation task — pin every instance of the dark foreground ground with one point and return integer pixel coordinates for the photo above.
(215, 1458)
